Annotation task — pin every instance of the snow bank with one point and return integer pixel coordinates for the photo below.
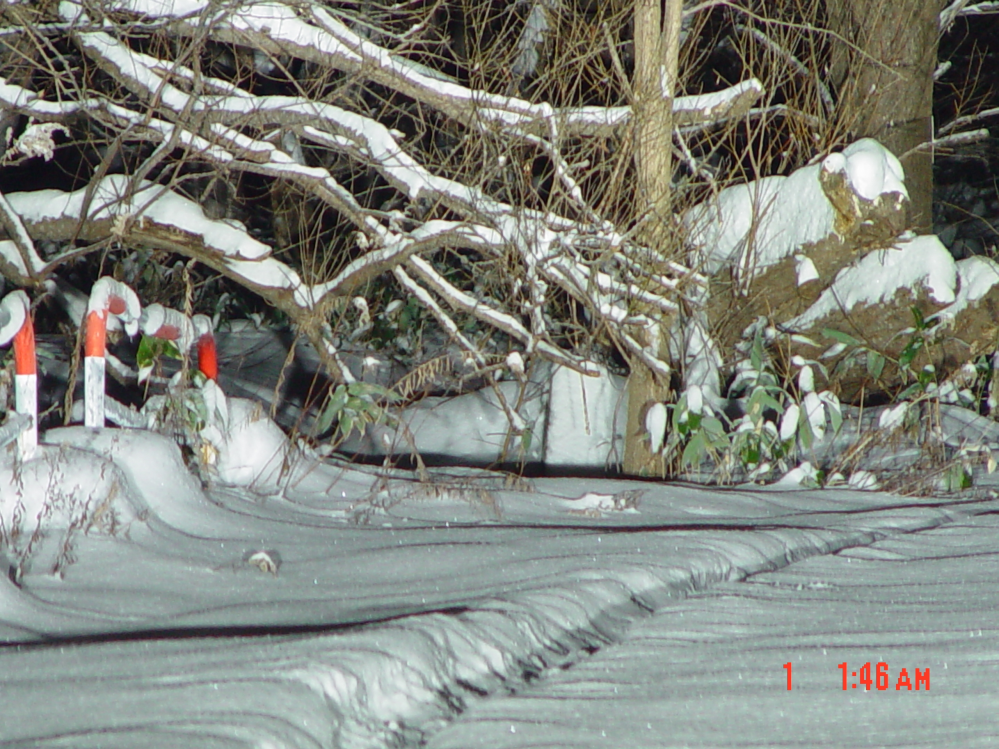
(586, 420)
(453, 612)
(473, 428)
(253, 452)
(532, 600)
(47, 503)
(569, 421)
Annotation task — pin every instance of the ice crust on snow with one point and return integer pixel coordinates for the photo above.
(915, 599)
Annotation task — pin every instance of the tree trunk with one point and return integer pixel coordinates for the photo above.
(884, 74)
(657, 47)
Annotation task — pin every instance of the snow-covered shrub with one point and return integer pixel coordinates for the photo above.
(777, 417)
(355, 406)
(488, 207)
(47, 503)
(193, 411)
(151, 353)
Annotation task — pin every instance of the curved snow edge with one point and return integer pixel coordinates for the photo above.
(474, 655)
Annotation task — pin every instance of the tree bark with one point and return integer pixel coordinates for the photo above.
(883, 68)
(657, 48)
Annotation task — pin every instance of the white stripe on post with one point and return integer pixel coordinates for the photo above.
(95, 341)
(108, 297)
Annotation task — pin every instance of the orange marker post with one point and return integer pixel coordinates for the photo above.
(208, 358)
(169, 324)
(16, 325)
(108, 297)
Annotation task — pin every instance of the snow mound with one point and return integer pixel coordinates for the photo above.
(752, 226)
(49, 501)
(253, 451)
(560, 418)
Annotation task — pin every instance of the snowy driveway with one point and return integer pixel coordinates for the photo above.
(469, 612)
(709, 671)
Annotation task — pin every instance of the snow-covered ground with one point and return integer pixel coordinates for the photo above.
(356, 607)
(710, 671)
(280, 599)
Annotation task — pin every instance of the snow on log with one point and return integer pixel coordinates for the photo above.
(751, 227)
(872, 300)
(876, 278)
(117, 199)
(978, 278)
(773, 245)
(969, 327)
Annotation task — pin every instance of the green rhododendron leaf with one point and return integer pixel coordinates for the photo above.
(875, 364)
(841, 337)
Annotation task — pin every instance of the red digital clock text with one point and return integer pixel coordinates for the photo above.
(881, 680)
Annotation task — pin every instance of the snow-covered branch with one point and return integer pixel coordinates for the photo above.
(18, 258)
(960, 8)
(442, 318)
(400, 198)
(967, 120)
(320, 38)
(501, 320)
